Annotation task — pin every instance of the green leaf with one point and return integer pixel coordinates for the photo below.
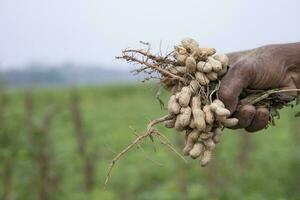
(161, 103)
(273, 122)
(151, 138)
(297, 114)
(297, 99)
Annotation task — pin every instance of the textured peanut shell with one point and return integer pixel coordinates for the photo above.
(206, 135)
(194, 86)
(207, 67)
(217, 135)
(206, 158)
(173, 105)
(192, 123)
(200, 66)
(190, 44)
(212, 76)
(201, 78)
(209, 143)
(222, 58)
(197, 150)
(178, 70)
(190, 141)
(219, 102)
(180, 50)
(170, 123)
(180, 59)
(178, 126)
(198, 114)
(206, 52)
(184, 116)
(230, 122)
(191, 64)
(209, 116)
(222, 112)
(185, 96)
(216, 65)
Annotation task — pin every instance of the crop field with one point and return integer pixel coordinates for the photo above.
(58, 143)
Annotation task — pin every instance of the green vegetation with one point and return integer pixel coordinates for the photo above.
(256, 166)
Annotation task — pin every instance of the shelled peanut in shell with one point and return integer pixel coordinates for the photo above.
(194, 104)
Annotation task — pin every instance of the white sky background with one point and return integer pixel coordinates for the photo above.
(95, 31)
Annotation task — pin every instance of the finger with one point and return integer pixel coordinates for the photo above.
(260, 120)
(237, 78)
(245, 116)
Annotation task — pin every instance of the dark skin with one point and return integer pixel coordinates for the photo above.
(267, 67)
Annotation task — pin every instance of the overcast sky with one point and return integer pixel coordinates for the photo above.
(95, 31)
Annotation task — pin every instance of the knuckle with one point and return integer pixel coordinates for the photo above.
(248, 111)
(225, 93)
(262, 113)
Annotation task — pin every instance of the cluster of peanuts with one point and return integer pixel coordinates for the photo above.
(201, 118)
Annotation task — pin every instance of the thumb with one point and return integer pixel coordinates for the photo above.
(236, 79)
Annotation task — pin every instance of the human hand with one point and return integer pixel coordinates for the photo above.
(267, 67)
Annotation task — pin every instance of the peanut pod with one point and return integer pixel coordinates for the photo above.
(190, 64)
(178, 126)
(200, 66)
(212, 76)
(185, 96)
(222, 58)
(170, 123)
(194, 86)
(206, 52)
(197, 150)
(206, 135)
(198, 114)
(209, 143)
(190, 44)
(192, 123)
(206, 158)
(180, 50)
(228, 122)
(215, 104)
(216, 65)
(219, 102)
(222, 112)
(180, 59)
(178, 70)
(207, 67)
(209, 116)
(184, 116)
(190, 141)
(217, 135)
(201, 78)
(173, 105)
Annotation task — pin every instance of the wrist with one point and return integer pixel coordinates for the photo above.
(293, 62)
(291, 54)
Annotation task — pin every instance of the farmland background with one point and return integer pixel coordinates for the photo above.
(264, 165)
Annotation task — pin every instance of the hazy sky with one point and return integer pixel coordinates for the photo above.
(95, 31)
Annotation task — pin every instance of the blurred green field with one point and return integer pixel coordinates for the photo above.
(257, 166)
